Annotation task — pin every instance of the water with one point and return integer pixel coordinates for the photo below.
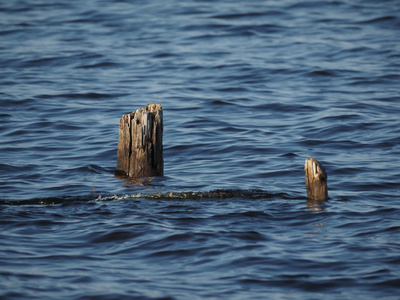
(249, 91)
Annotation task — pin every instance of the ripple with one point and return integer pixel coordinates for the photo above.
(248, 91)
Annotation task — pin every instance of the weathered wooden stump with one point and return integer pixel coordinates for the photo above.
(316, 180)
(140, 149)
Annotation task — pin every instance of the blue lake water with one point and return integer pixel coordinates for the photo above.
(249, 90)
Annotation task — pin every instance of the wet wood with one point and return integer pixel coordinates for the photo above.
(316, 180)
(140, 149)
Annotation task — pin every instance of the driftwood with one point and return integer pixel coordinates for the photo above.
(140, 149)
(316, 180)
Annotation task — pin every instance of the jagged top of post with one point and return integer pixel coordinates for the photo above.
(153, 107)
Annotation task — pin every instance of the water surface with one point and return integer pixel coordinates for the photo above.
(249, 91)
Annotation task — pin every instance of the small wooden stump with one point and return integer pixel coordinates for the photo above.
(140, 149)
(316, 180)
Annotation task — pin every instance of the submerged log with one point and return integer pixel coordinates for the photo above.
(140, 149)
(316, 180)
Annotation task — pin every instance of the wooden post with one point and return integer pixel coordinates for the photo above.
(316, 180)
(140, 149)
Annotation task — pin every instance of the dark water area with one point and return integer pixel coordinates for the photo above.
(249, 90)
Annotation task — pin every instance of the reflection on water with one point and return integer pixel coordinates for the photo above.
(318, 228)
(315, 205)
(128, 182)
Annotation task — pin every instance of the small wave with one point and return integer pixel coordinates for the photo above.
(249, 15)
(322, 73)
(379, 20)
(215, 194)
(99, 65)
(90, 95)
(164, 55)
